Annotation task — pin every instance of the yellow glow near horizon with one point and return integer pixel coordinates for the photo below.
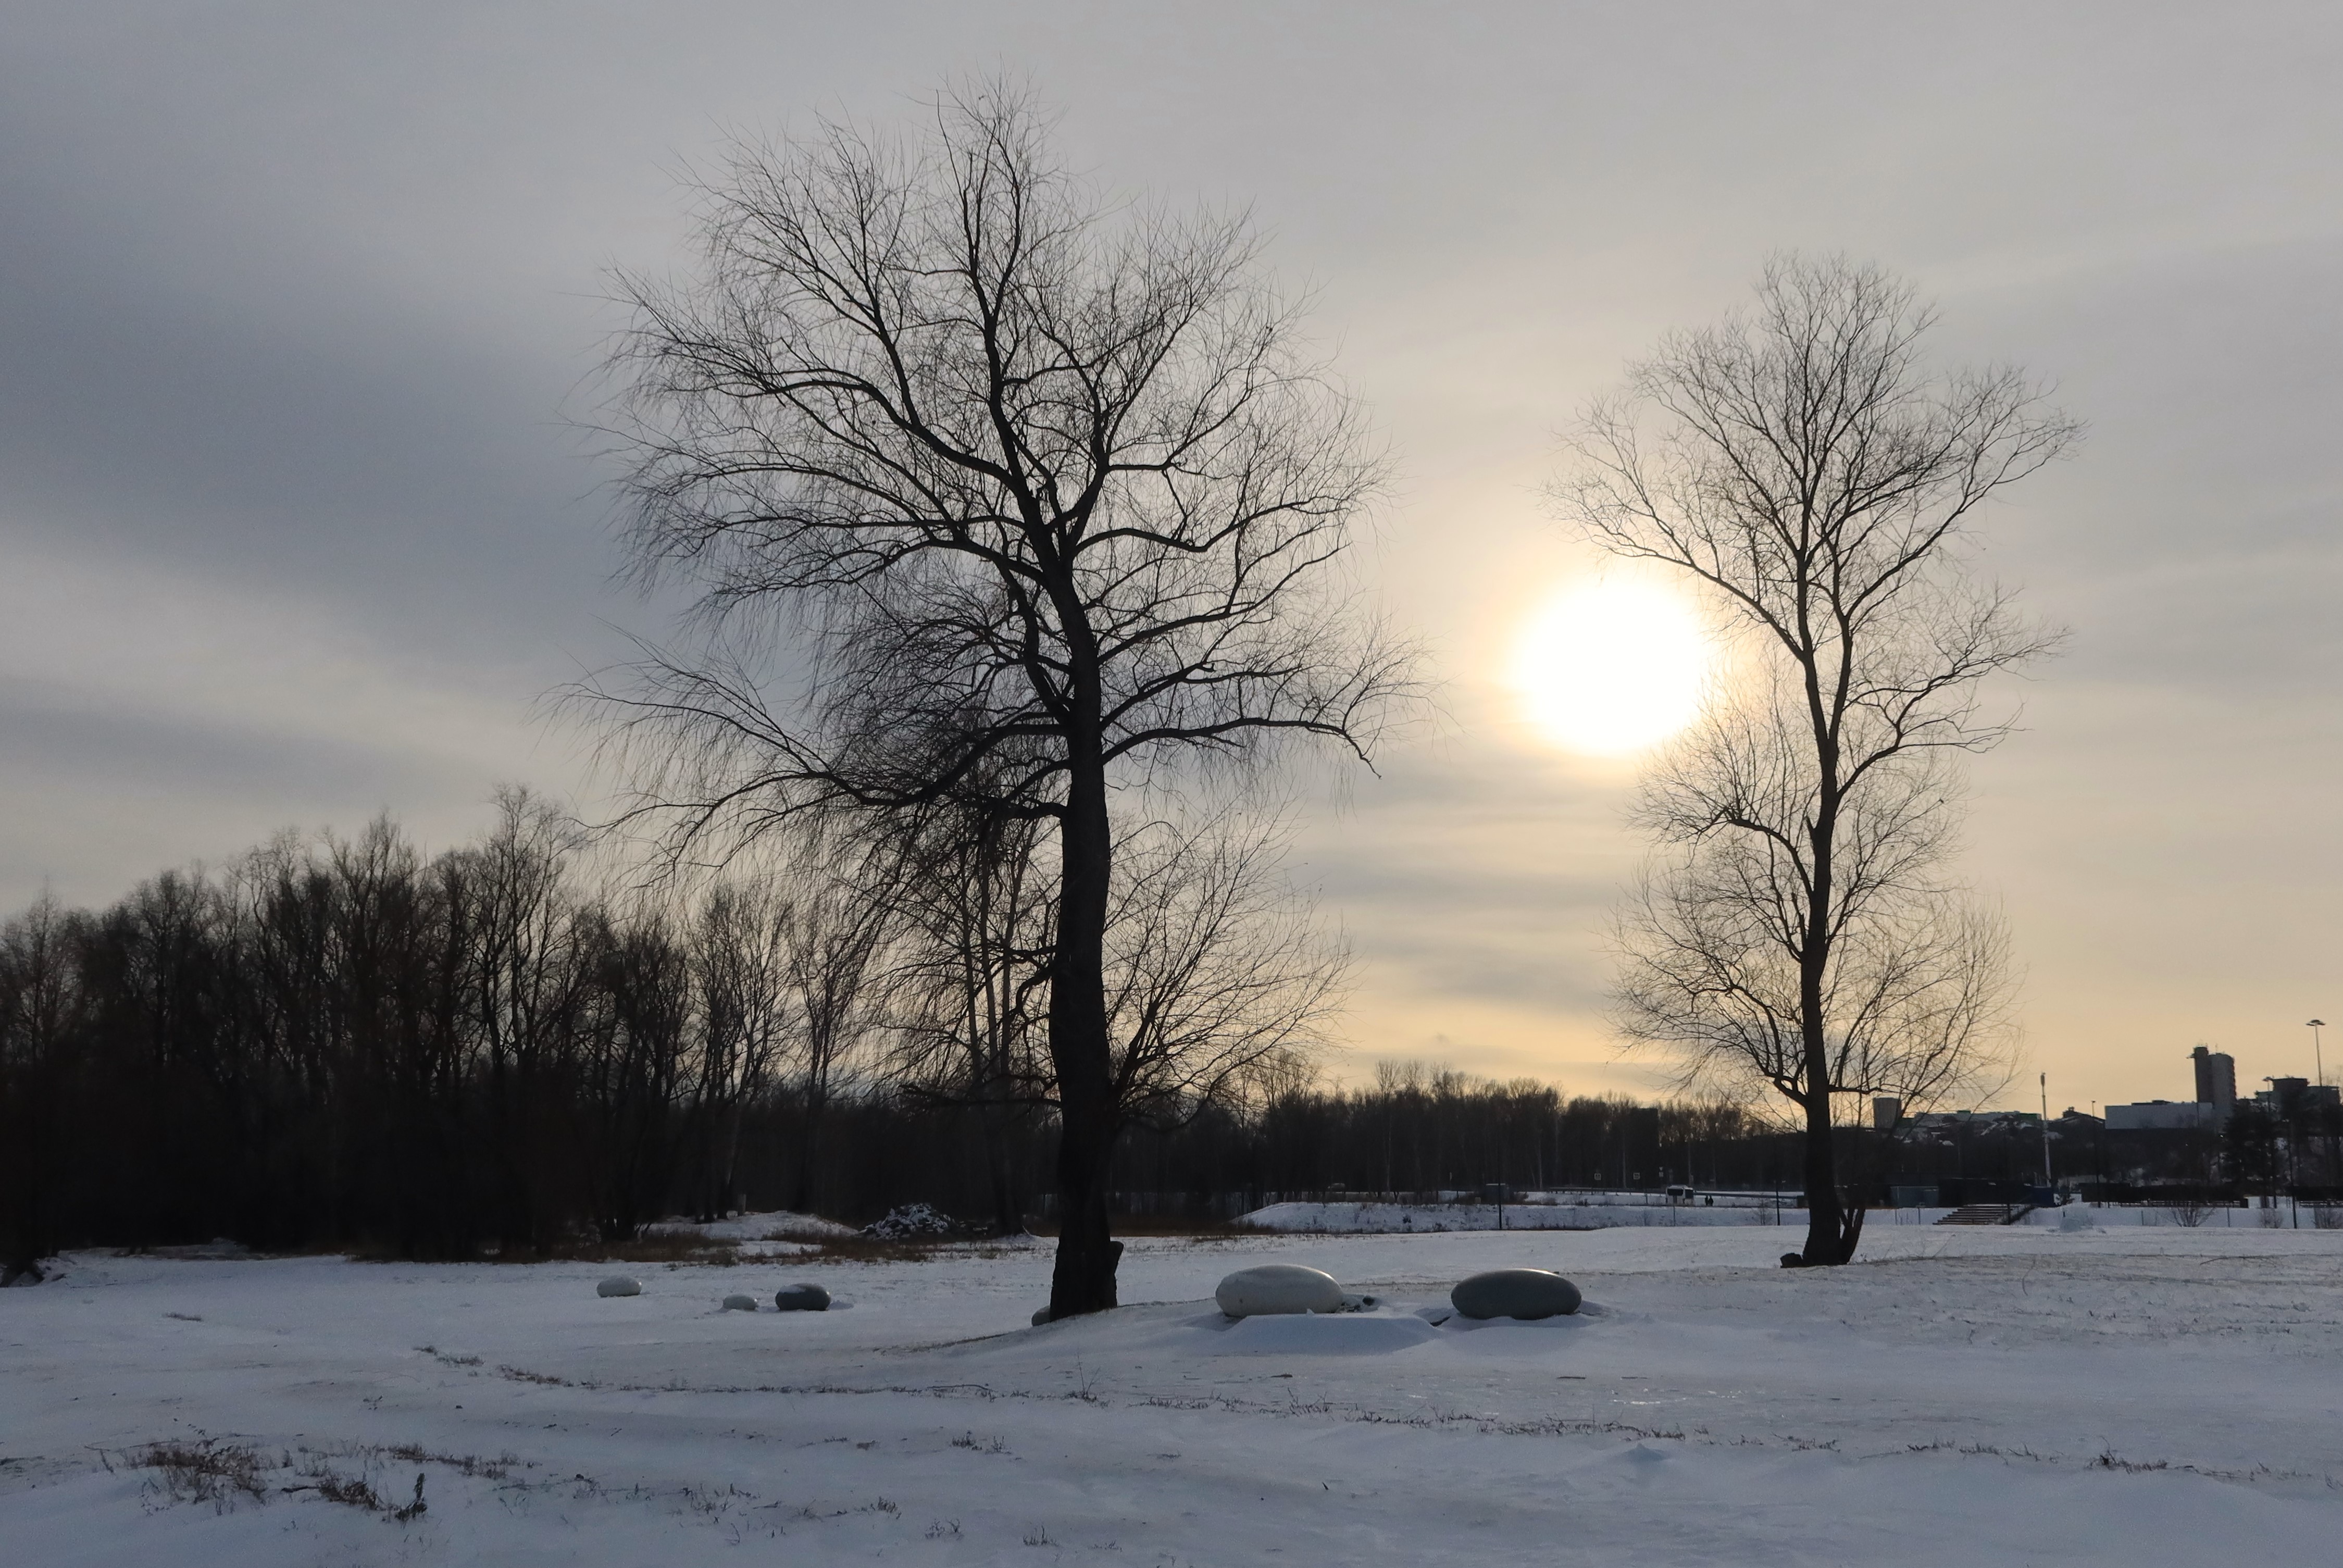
(1612, 665)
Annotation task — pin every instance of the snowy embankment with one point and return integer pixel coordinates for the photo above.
(1416, 1219)
(1963, 1396)
(1597, 1214)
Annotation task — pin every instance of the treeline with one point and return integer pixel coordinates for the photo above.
(343, 1042)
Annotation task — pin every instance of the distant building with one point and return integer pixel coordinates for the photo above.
(1886, 1110)
(2165, 1116)
(2217, 1079)
(1976, 1120)
(2290, 1097)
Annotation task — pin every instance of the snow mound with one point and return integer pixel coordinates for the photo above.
(1325, 1334)
(911, 1221)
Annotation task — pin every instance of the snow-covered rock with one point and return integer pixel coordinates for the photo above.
(1272, 1289)
(802, 1298)
(739, 1303)
(619, 1285)
(1529, 1293)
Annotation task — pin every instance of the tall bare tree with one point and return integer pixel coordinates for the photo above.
(1808, 467)
(1043, 491)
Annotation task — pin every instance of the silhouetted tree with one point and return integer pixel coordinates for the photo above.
(1045, 493)
(42, 1038)
(1807, 467)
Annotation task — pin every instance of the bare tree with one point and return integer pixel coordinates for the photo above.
(522, 987)
(43, 1011)
(1808, 467)
(835, 918)
(1043, 492)
(1220, 979)
(739, 970)
(971, 980)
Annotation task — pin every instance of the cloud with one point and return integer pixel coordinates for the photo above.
(294, 303)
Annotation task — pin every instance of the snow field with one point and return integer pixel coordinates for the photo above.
(2151, 1395)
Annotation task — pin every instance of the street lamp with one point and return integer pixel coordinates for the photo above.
(2318, 1057)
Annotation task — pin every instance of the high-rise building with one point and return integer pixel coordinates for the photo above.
(2217, 1079)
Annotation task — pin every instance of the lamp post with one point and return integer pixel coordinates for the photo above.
(2318, 1056)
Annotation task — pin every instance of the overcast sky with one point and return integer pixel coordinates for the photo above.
(294, 301)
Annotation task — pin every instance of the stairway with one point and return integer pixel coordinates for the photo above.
(1987, 1214)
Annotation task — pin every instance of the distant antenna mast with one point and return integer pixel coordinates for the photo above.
(2047, 1179)
(2318, 1056)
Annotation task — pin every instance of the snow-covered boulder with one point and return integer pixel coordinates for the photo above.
(1274, 1288)
(619, 1285)
(802, 1298)
(1514, 1293)
(737, 1303)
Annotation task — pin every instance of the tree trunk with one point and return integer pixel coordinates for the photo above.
(1826, 1239)
(1008, 1206)
(1083, 1280)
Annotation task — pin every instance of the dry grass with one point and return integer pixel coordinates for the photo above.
(663, 1248)
(207, 1471)
(657, 1248)
(223, 1474)
(350, 1491)
(1168, 1225)
(677, 1249)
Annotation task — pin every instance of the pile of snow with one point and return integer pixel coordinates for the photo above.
(911, 1222)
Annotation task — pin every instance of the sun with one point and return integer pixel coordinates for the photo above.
(1610, 666)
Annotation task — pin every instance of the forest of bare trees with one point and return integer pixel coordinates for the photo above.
(496, 1049)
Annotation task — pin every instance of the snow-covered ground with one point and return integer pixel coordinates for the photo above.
(2147, 1395)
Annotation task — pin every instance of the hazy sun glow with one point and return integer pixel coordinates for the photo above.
(1610, 666)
